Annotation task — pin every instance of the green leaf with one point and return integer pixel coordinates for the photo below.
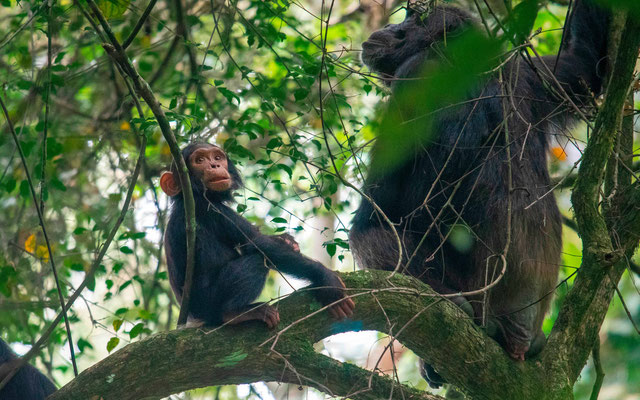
(25, 192)
(286, 169)
(126, 250)
(83, 344)
(279, 220)
(300, 94)
(124, 285)
(113, 8)
(331, 249)
(57, 184)
(112, 344)
(136, 330)
(521, 20)
(121, 311)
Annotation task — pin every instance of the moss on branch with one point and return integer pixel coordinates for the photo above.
(174, 361)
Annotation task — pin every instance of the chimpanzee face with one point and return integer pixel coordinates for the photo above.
(209, 169)
(390, 47)
(386, 49)
(209, 164)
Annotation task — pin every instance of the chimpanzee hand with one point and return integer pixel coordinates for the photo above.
(289, 240)
(333, 292)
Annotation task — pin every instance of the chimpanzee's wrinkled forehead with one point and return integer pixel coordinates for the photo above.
(187, 151)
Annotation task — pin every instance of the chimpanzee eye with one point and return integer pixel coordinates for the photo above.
(218, 158)
(199, 160)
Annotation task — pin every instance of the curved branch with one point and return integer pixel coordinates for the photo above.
(603, 262)
(432, 327)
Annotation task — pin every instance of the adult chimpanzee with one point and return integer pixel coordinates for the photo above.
(27, 383)
(232, 257)
(462, 179)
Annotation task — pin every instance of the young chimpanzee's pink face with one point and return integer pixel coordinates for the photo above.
(209, 164)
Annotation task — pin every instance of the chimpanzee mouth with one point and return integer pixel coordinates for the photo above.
(219, 179)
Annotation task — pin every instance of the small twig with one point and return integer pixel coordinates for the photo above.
(43, 162)
(626, 310)
(595, 353)
(138, 26)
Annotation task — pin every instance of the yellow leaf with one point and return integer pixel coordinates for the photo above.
(165, 150)
(43, 253)
(559, 153)
(125, 126)
(145, 41)
(30, 243)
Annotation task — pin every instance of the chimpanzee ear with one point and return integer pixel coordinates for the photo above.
(169, 184)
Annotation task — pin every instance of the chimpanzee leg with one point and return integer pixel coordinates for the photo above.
(375, 248)
(537, 344)
(238, 285)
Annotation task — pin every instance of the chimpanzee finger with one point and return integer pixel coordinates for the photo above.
(276, 318)
(350, 303)
(340, 315)
(345, 309)
(271, 321)
(347, 306)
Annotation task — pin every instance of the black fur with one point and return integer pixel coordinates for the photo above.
(232, 257)
(469, 139)
(27, 384)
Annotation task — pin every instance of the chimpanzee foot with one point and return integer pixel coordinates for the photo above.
(464, 304)
(537, 344)
(265, 313)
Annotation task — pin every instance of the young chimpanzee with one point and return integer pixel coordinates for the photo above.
(481, 165)
(27, 383)
(232, 257)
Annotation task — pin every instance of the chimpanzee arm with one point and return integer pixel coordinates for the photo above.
(581, 63)
(27, 383)
(278, 253)
(175, 245)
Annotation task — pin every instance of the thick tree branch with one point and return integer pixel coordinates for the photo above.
(432, 327)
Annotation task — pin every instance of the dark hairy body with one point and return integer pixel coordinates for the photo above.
(232, 257)
(460, 177)
(27, 383)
